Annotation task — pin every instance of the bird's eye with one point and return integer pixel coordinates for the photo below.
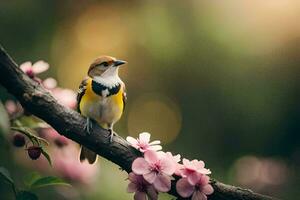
(105, 64)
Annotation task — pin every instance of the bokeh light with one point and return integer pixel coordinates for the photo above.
(260, 173)
(157, 114)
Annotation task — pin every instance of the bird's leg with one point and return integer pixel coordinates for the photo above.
(89, 125)
(112, 133)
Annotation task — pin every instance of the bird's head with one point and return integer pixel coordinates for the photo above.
(105, 66)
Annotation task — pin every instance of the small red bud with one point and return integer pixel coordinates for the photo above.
(18, 140)
(34, 152)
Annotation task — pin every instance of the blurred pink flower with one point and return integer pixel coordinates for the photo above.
(65, 97)
(33, 69)
(142, 143)
(199, 190)
(53, 136)
(192, 170)
(141, 188)
(156, 169)
(13, 107)
(67, 165)
(49, 83)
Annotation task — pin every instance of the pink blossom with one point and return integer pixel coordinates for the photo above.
(67, 165)
(192, 170)
(156, 168)
(141, 188)
(65, 97)
(49, 83)
(33, 69)
(175, 158)
(198, 191)
(142, 143)
(13, 108)
(53, 136)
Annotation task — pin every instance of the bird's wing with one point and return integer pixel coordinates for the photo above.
(81, 92)
(124, 97)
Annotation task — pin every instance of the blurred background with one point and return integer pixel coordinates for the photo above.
(213, 80)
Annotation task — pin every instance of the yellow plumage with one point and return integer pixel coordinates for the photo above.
(104, 110)
(101, 97)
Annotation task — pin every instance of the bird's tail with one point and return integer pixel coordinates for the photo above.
(85, 153)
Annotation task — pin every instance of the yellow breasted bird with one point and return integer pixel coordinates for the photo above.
(101, 97)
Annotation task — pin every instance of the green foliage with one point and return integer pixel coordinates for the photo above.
(4, 173)
(4, 120)
(26, 195)
(29, 179)
(48, 181)
(47, 156)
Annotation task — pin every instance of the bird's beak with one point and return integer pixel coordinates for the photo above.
(119, 62)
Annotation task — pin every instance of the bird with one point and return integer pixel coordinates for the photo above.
(101, 98)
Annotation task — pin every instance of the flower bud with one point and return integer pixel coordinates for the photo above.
(18, 140)
(34, 152)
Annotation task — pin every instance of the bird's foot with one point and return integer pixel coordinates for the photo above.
(112, 133)
(89, 125)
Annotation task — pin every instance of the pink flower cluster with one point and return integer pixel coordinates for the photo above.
(63, 152)
(154, 172)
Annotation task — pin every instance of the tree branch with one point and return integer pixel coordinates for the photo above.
(69, 123)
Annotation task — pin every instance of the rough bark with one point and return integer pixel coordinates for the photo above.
(69, 123)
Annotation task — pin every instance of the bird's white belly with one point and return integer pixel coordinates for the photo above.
(103, 111)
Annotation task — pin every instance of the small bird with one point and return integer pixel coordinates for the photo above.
(101, 98)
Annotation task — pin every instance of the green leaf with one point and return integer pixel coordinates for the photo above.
(29, 179)
(48, 181)
(25, 195)
(4, 120)
(47, 156)
(4, 173)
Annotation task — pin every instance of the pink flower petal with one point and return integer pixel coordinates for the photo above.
(132, 177)
(183, 188)
(144, 137)
(140, 166)
(168, 166)
(140, 196)
(204, 180)
(199, 196)
(26, 66)
(162, 183)
(151, 156)
(155, 148)
(198, 164)
(50, 83)
(177, 158)
(154, 142)
(132, 187)
(178, 170)
(11, 107)
(132, 141)
(152, 193)
(185, 161)
(194, 178)
(204, 171)
(150, 177)
(40, 66)
(207, 189)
